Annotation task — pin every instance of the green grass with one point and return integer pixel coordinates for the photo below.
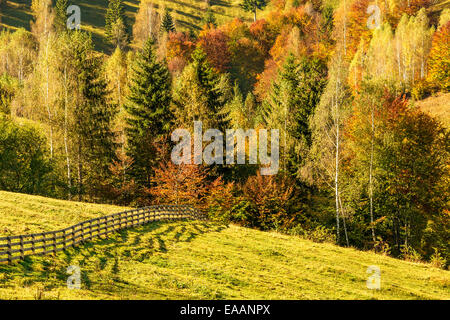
(188, 14)
(20, 213)
(199, 260)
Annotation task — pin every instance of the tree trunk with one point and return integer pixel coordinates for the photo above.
(345, 28)
(336, 168)
(80, 173)
(371, 177)
(66, 147)
(285, 137)
(343, 221)
(47, 99)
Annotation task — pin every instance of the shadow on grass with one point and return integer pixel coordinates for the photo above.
(105, 254)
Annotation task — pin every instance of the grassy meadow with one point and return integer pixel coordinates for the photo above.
(438, 106)
(198, 260)
(187, 14)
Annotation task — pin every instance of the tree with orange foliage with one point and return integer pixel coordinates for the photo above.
(179, 184)
(189, 184)
(397, 8)
(246, 55)
(214, 43)
(439, 59)
(179, 49)
(266, 203)
(265, 79)
(353, 20)
(263, 32)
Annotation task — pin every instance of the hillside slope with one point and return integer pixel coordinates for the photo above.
(438, 106)
(188, 14)
(198, 260)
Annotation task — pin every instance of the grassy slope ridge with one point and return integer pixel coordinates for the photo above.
(188, 14)
(438, 106)
(21, 213)
(198, 260)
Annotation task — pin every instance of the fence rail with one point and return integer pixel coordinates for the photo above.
(18, 247)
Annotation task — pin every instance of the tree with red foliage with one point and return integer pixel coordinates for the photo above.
(179, 49)
(214, 43)
(266, 200)
(189, 184)
(263, 32)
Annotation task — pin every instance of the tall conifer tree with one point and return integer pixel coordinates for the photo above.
(116, 24)
(148, 109)
(167, 24)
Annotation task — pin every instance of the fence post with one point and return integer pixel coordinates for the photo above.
(44, 244)
(32, 244)
(82, 233)
(9, 250)
(21, 248)
(72, 236)
(64, 239)
(54, 243)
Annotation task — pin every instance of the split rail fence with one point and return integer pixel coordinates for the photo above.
(18, 247)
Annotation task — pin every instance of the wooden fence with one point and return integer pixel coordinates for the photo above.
(18, 247)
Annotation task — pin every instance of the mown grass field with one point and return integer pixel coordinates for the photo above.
(438, 106)
(188, 14)
(198, 260)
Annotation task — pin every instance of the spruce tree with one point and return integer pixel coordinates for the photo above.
(312, 75)
(116, 24)
(292, 100)
(201, 94)
(218, 90)
(253, 5)
(93, 139)
(250, 107)
(148, 109)
(167, 24)
(236, 113)
(209, 18)
(61, 15)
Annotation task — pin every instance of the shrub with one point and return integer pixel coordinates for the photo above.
(421, 90)
(437, 260)
(319, 234)
(381, 246)
(269, 199)
(409, 254)
(24, 161)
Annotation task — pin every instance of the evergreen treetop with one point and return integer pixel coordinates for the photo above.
(167, 24)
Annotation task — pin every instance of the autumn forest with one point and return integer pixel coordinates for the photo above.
(361, 162)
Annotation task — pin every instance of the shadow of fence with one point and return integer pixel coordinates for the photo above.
(18, 247)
